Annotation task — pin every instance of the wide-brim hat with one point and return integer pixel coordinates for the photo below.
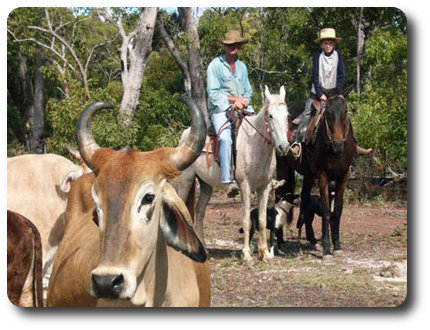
(327, 33)
(233, 37)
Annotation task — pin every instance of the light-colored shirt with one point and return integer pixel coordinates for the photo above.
(327, 71)
(222, 82)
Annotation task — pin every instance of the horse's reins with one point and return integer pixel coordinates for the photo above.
(266, 135)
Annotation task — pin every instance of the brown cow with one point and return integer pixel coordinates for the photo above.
(24, 262)
(129, 239)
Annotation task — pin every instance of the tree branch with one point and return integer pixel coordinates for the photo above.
(75, 58)
(55, 52)
(173, 50)
(266, 71)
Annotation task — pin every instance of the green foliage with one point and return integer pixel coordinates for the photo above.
(13, 123)
(280, 53)
(14, 131)
(160, 118)
(162, 73)
(380, 112)
(62, 116)
(157, 122)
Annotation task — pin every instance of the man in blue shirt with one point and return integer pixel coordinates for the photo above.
(228, 89)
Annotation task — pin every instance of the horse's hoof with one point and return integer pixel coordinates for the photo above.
(337, 253)
(246, 257)
(317, 247)
(267, 256)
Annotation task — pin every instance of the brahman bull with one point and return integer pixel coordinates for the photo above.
(129, 238)
(24, 262)
(37, 187)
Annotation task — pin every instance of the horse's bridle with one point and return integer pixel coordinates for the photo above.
(266, 133)
(328, 131)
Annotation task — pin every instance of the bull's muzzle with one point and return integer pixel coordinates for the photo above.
(107, 286)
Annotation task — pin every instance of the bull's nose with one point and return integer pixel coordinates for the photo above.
(107, 286)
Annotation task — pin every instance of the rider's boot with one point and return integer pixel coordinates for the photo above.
(296, 149)
(363, 151)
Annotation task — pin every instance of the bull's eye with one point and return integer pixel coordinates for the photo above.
(95, 217)
(147, 199)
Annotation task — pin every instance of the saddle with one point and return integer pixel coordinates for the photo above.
(312, 125)
(313, 122)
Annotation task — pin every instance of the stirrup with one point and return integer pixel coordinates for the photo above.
(295, 143)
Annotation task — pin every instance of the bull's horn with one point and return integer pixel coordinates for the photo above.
(187, 152)
(86, 143)
(73, 152)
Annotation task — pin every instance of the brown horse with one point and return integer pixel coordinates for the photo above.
(327, 159)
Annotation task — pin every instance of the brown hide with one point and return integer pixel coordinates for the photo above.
(178, 279)
(24, 262)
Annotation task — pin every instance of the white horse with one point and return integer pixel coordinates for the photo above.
(258, 138)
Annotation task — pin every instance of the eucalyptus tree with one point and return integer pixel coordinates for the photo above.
(186, 53)
(136, 45)
(26, 82)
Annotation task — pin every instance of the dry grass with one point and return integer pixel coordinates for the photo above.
(371, 272)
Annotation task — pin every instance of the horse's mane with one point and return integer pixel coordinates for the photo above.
(295, 108)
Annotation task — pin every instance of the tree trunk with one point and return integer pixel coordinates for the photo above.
(33, 108)
(138, 45)
(37, 119)
(360, 47)
(195, 61)
(27, 99)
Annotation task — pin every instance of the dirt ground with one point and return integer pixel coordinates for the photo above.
(371, 272)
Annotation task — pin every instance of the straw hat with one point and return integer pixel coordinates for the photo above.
(327, 33)
(233, 37)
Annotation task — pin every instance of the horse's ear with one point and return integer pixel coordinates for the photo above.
(267, 93)
(282, 92)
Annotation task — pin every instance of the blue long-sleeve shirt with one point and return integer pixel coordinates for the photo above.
(222, 82)
(341, 74)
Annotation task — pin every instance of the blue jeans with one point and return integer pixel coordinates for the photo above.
(220, 120)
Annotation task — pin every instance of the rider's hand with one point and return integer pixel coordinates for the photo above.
(323, 97)
(238, 105)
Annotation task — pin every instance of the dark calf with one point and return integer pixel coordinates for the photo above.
(315, 207)
(276, 219)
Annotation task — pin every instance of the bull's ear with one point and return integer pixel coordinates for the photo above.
(177, 228)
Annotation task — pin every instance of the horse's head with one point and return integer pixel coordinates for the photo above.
(276, 114)
(336, 122)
